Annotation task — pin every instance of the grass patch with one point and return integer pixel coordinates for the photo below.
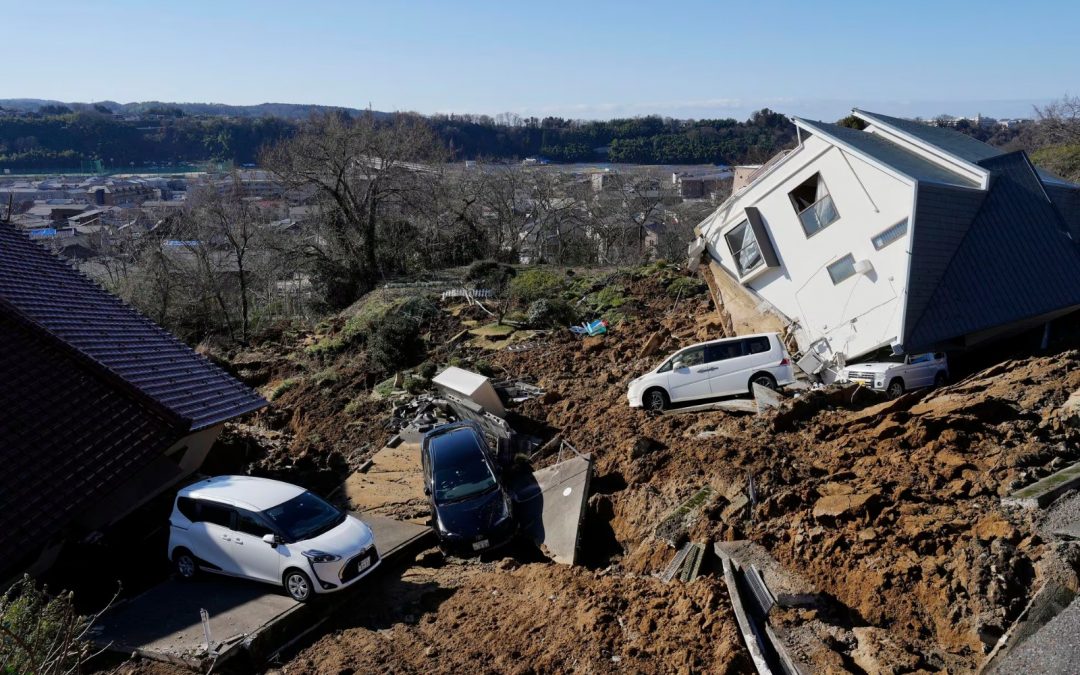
(285, 385)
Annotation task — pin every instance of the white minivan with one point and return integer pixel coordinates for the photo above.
(270, 531)
(718, 368)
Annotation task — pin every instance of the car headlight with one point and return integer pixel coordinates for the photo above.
(320, 556)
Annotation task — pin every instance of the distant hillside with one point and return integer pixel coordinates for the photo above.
(292, 111)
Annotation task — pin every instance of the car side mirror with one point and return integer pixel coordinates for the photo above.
(427, 491)
(679, 365)
(271, 539)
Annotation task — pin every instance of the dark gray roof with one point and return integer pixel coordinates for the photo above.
(64, 305)
(953, 142)
(898, 158)
(942, 218)
(1015, 261)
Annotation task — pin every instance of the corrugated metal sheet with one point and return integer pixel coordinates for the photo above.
(1015, 261)
(69, 307)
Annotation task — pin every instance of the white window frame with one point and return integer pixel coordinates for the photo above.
(889, 231)
(850, 260)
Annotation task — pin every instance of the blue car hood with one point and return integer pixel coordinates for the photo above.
(472, 517)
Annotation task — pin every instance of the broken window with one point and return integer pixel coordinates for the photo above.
(814, 205)
(744, 248)
(888, 236)
(842, 268)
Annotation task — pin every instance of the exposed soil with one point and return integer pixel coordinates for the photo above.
(891, 508)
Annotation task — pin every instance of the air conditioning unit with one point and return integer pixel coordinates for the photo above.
(863, 267)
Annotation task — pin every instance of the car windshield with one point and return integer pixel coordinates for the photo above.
(304, 517)
(459, 468)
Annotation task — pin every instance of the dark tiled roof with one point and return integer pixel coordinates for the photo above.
(1016, 261)
(890, 154)
(1067, 202)
(64, 304)
(68, 436)
(953, 142)
(942, 218)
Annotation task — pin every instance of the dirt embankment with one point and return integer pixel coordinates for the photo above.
(891, 508)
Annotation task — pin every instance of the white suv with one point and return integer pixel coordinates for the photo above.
(900, 374)
(269, 531)
(718, 368)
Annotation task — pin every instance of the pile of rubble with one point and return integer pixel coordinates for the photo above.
(891, 511)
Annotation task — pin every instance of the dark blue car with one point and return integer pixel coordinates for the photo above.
(471, 507)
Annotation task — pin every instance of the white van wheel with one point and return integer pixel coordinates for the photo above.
(656, 400)
(765, 380)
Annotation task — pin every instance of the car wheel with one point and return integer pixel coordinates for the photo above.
(765, 380)
(896, 388)
(298, 585)
(941, 379)
(656, 400)
(186, 567)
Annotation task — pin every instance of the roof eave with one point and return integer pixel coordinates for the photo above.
(928, 147)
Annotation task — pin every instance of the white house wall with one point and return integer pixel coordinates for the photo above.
(860, 313)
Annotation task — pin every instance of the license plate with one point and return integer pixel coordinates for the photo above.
(364, 564)
(481, 545)
(862, 381)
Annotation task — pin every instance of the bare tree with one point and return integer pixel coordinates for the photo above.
(362, 171)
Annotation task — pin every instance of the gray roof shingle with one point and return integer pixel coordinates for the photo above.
(1015, 261)
(953, 142)
(63, 304)
(890, 154)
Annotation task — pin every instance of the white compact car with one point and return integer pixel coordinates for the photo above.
(900, 374)
(269, 531)
(718, 368)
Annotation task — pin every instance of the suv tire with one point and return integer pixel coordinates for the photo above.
(941, 379)
(896, 388)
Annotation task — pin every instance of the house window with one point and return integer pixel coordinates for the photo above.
(888, 236)
(744, 248)
(814, 205)
(842, 268)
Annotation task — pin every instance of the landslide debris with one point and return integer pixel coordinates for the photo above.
(891, 508)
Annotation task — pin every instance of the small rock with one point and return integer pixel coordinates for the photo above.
(431, 651)
(592, 344)
(835, 506)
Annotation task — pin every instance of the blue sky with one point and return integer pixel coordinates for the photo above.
(587, 59)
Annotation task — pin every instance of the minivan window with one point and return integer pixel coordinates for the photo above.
(723, 351)
(187, 507)
(249, 523)
(695, 356)
(305, 516)
(757, 345)
(218, 514)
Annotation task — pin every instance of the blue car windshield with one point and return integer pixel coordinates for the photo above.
(460, 470)
(304, 517)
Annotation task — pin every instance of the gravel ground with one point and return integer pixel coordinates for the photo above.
(1054, 649)
(1063, 512)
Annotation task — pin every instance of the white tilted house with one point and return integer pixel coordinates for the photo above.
(899, 235)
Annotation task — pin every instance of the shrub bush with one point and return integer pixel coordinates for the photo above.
(395, 344)
(533, 284)
(545, 313)
(685, 287)
(42, 634)
(427, 370)
(414, 385)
